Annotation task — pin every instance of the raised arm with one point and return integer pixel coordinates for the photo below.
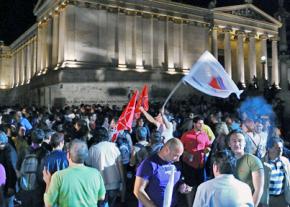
(149, 117)
(164, 118)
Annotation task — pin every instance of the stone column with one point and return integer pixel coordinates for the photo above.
(34, 70)
(55, 38)
(284, 71)
(252, 57)
(162, 57)
(29, 61)
(138, 39)
(44, 47)
(176, 43)
(264, 53)
(169, 55)
(61, 36)
(121, 40)
(39, 48)
(48, 42)
(111, 36)
(240, 58)
(22, 66)
(181, 51)
(130, 37)
(215, 42)
(147, 41)
(275, 68)
(227, 52)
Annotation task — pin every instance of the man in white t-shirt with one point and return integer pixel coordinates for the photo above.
(224, 190)
(106, 157)
(161, 122)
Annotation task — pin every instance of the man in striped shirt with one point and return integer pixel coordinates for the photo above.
(277, 175)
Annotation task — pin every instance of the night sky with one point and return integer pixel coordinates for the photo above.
(16, 16)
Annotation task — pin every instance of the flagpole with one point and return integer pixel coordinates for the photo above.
(172, 92)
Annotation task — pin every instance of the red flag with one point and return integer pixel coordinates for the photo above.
(143, 101)
(126, 119)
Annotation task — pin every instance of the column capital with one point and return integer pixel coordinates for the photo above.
(215, 28)
(263, 36)
(251, 34)
(274, 38)
(226, 30)
(240, 33)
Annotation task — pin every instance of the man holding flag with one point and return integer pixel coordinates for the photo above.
(158, 179)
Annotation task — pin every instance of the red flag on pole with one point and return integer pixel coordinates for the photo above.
(143, 101)
(126, 119)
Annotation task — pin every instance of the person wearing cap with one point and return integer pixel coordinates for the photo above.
(8, 159)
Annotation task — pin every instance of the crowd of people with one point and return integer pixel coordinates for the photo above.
(196, 152)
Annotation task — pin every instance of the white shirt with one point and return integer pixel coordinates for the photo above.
(167, 133)
(223, 191)
(104, 156)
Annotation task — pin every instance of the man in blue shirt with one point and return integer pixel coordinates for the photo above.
(153, 176)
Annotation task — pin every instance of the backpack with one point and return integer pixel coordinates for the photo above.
(29, 172)
(125, 149)
(153, 149)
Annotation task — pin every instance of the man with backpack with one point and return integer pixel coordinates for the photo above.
(31, 184)
(141, 135)
(155, 145)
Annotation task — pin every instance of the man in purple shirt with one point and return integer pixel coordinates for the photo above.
(153, 175)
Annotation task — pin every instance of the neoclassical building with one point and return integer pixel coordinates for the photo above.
(95, 51)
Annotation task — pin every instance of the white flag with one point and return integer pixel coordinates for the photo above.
(208, 76)
(169, 187)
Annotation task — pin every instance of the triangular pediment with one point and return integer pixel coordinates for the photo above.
(248, 11)
(38, 5)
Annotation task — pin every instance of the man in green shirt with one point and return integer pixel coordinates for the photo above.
(249, 168)
(76, 185)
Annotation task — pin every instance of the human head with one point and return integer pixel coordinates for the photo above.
(236, 142)
(77, 151)
(37, 136)
(156, 137)
(258, 126)
(172, 150)
(275, 147)
(223, 162)
(197, 123)
(140, 122)
(3, 140)
(141, 133)
(57, 140)
(100, 134)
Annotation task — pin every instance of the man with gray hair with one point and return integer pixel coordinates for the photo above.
(76, 185)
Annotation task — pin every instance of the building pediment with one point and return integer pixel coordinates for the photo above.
(248, 11)
(42, 6)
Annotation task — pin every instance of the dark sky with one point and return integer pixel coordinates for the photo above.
(16, 16)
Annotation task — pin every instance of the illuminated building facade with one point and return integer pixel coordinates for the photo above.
(93, 51)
